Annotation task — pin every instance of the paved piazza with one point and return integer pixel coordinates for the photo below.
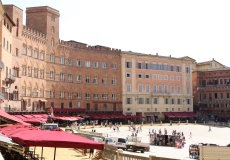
(200, 134)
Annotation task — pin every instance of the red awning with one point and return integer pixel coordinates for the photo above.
(180, 114)
(61, 139)
(169, 114)
(11, 117)
(9, 130)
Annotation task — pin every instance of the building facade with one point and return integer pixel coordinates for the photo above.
(153, 84)
(62, 74)
(212, 92)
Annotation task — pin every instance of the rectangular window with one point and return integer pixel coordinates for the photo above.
(178, 101)
(78, 63)
(172, 77)
(87, 64)
(114, 96)
(128, 100)
(70, 62)
(128, 87)
(78, 78)
(160, 77)
(24, 70)
(35, 73)
(166, 101)
(187, 69)
(95, 80)
(165, 77)
(165, 89)
(155, 100)
(172, 101)
(87, 80)
(78, 95)
(139, 87)
(51, 94)
(16, 52)
(147, 88)
(128, 75)
(154, 88)
(140, 100)
(188, 90)
(104, 80)
(178, 69)
(62, 60)
(154, 66)
(171, 68)
(36, 54)
(114, 66)
(160, 89)
(41, 74)
(51, 58)
(95, 64)
(87, 96)
(178, 78)
(147, 100)
(42, 56)
(29, 71)
(178, 89)
(70, 77)
(154, 76)
(104, 96)
(62, 77)
(70, 95)
(52, 75)
(114, 81)
(139, 65)
(172, 89)
(104, 65)
(128, 64)
(30, 52)
(140, 75)
(188, 101)
(147, 76)
(165, 67)
(95, 96)
(62, 95)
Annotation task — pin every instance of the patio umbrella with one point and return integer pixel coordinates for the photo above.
(60, 139)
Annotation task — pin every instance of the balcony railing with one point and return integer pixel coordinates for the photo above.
(10, 78)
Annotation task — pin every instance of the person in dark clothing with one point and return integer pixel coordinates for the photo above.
(91, 151)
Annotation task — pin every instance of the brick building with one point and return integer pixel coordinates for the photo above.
(153, 84)
(211, 90)
(61, 74)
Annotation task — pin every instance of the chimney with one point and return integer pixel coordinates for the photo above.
(169, 55)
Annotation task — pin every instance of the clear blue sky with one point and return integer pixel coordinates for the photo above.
(196, 28)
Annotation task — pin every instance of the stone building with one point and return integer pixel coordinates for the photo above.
(153, 84)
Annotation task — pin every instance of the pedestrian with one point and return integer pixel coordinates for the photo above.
(191, 135)
(91, 151)
(209, 128)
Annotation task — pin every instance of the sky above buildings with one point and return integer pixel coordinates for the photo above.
(199, 29)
